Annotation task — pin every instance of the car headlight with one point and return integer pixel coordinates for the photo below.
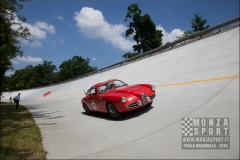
(139, 103)
(153, 88)
(124, 100)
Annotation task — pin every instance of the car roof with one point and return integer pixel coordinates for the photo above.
(99, 84)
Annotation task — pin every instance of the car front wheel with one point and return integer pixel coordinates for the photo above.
(113, 112)
(85, 107)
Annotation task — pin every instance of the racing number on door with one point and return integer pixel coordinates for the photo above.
(94, 105)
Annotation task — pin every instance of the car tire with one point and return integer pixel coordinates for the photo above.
(148, 105)
(112, 111)
(85, 107)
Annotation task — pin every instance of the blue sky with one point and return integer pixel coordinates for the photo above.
(95, 29)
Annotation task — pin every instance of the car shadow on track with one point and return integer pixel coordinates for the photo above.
(125, 116)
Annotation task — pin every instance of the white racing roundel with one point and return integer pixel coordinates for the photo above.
(94, 105)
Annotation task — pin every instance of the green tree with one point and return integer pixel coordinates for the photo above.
(129, 55)
(44, 73)
(33, 76)
(5, 83)
(198, 23)
(10, 45)
(21, 78)
(75, 67)
(144, 31)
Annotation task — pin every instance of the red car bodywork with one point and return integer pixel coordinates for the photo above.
(124, 97)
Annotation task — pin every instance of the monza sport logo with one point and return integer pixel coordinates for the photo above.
(205, 133)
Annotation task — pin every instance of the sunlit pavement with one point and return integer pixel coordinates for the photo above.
(198, 80)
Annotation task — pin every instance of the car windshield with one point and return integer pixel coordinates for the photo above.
(110, 85)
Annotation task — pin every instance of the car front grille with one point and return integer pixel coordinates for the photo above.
(135, 104)
(152, 97)
(144, 98)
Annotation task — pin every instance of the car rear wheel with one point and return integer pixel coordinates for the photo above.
(113, 112)
(85, 107)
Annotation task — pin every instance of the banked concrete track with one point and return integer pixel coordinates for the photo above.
(199, 80)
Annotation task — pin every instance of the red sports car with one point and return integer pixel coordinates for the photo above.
(116, 97)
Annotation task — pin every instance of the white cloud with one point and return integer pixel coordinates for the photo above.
(23, 41)
(61, 40)
(94, 59)
(38, 31)
(58, 17)
(36, 43)
(43, 25)
(169, 37)
(93, 25)
(14, 61)
(26, 59)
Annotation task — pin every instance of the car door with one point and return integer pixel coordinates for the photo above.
(93, 100)
(101, 99)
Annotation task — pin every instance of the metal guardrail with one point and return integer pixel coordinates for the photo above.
(178, 43)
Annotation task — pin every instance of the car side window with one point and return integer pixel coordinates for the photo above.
(111, 85)
(91, 91)
(102, 89)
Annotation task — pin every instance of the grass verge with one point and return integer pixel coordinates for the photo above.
(20, 136)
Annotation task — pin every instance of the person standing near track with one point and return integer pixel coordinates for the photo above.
(17, 100)
(10, 99)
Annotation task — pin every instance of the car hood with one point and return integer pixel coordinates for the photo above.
(131, 89)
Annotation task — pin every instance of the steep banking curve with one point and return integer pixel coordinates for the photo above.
(200, 79)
